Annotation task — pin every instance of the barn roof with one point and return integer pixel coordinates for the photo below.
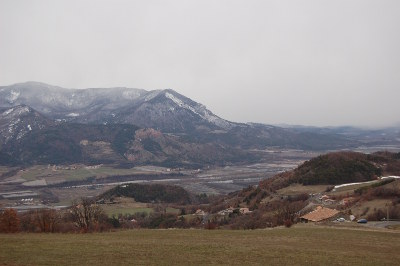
(320, 214)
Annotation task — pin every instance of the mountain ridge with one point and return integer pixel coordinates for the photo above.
(183, 124)
(111, 105)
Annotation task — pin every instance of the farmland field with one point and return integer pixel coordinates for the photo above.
(129, 206)
(116, 211)
(80, 173)
(303, 244)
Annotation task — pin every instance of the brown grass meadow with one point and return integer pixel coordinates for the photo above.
(299, 245)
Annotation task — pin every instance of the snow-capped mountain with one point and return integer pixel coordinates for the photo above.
(57, 102)
(165, 110)
(170, 111)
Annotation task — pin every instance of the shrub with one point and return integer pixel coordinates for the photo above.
(210, 225)
(9, 221)
(288, 223)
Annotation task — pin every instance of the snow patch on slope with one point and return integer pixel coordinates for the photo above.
(22, 110)
(202, 112)
(13, 96)
(131, 95)
(72, 115)
(6, 112)
(180, 103)
(16, 111)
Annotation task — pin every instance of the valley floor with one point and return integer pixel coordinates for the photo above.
(299, 245)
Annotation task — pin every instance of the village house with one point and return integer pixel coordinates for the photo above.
(324, 197)
(329, 201)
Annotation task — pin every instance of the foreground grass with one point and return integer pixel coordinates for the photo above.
(294, 246)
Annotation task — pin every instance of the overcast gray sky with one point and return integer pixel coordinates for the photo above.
(296, 62)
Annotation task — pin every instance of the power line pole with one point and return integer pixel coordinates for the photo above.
(387, 211)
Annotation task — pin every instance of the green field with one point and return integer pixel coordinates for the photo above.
(39, 171)
(302, 245)
(111, 210)
(115, 211)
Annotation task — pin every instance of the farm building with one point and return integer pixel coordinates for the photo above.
(244, 210)
(226, 211)
(319, 214)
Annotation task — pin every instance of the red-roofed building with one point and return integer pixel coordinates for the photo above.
(319, 214)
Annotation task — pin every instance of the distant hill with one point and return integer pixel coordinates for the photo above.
(149, 193)
(113, 144)
(280, 200)
(338, 168)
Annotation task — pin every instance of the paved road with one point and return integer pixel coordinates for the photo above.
(381, 224)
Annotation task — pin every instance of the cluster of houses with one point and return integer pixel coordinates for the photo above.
(323, 213)
(27, 201)
(62, 167)
(227, 211)
(231, 210)
(93, 166)
(73, 167)
(326, 200)
(320, 214)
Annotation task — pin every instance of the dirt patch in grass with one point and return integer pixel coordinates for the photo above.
(394, 227)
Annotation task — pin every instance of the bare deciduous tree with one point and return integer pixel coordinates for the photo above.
(86, 214)
(9, 221)
(47, 220)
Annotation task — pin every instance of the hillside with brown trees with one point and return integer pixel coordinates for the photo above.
(338, 168)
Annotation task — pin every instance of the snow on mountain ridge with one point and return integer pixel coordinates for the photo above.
(44, 97)
(95, 105)
(180, 103)
(200, 111)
